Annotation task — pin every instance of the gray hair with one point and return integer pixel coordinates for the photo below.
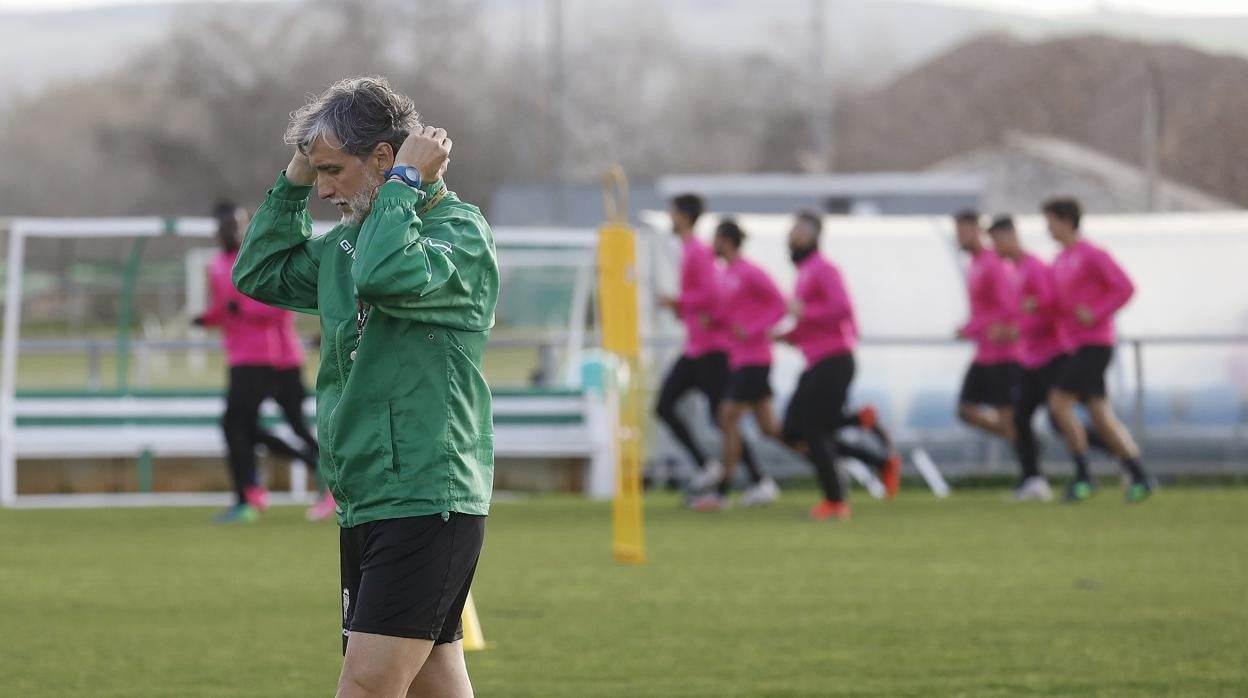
(358, 113)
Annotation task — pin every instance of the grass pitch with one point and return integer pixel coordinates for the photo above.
(972, 596)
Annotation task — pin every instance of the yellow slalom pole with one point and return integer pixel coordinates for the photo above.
(618, 314)
(474, 639)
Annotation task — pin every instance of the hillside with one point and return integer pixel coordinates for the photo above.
(1090, 90)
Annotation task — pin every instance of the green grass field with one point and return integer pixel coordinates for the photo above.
(972, 596)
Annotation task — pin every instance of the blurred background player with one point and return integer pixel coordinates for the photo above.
(1090, 288)
(1042, 353)
(826, 333)
(257, 339)
(751, 306)
(703, 364)
(986, 398)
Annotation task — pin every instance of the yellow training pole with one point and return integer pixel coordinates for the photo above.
(474, 639)
(617, 305)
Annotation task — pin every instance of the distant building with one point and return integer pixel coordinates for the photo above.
(1024, 169)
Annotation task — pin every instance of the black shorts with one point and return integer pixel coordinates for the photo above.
(1084, 374)
(990, 384)
(707, 374)
(750, 384)
(1034, 384)
(822, 392)
(409, 577)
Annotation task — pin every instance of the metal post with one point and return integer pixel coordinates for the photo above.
(8, 368)
(93, 366)
(1137, 347)
(126, 312)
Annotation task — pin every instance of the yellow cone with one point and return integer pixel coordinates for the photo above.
(473, 638)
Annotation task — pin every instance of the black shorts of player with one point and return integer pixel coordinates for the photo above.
(822, 391)
(1084, 373)
(750, 384)
(409, 577)
(990, 384)
(1034, 384)
(707, 373)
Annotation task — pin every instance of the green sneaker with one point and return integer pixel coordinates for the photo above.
(1078, 491)
(1138, 491)
(239, 513)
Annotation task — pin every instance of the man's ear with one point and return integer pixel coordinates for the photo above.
(382, 157)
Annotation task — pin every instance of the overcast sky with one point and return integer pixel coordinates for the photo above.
(1043, 7)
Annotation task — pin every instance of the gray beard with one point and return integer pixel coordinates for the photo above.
(362, 202)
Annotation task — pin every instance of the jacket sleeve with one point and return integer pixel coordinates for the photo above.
(279, 261)
(441, 271)
(772, 306)
(1038, 286)
(833, 304)
(1118, 286)
(701, 293)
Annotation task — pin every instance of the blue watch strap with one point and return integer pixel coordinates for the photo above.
(409, 175)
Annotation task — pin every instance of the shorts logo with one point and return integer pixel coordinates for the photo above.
(346, 603)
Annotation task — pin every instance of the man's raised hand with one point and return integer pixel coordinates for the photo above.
(428, 150)
(300, 171)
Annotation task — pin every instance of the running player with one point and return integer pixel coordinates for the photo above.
(703, 364)
(987, 391)
(826, 334)
(1042, 352)
(1090, 289)
(751, 305)
(249, 335)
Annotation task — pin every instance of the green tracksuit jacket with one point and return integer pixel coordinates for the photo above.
(406, 426)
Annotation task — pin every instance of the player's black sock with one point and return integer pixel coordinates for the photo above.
(1081, 467)
(1094, 439)
(751, 465)
(668, 414)
(1133, 468)
(724, 487)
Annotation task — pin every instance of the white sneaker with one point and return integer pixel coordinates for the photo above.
(1033, 489)
(765, 492)
(707, 477)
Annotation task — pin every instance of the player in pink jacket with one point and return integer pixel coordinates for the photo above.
(826, 334)
(254, 344)
(750, 306)
(1089, 289)
(703, 364)
(986, 399)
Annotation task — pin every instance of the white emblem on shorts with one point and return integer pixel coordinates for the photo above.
(346, 603)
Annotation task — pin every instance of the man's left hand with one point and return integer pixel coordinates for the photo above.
(428, 150)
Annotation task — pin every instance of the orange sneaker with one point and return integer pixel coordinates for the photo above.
(830, 510)
(891, 475)
(868, 417)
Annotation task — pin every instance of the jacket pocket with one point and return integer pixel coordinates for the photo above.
(384, 443)
(413, 434)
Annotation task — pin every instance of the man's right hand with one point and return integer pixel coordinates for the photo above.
(300, 170)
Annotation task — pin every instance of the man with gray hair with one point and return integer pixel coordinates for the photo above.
(406, 288)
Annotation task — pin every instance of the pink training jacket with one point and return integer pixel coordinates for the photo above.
(290, 346)
(993, 298)
(1040, 335)
(700, 290)
(826, 326)
(1085, 276)
(251, 336)
(751, 303)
